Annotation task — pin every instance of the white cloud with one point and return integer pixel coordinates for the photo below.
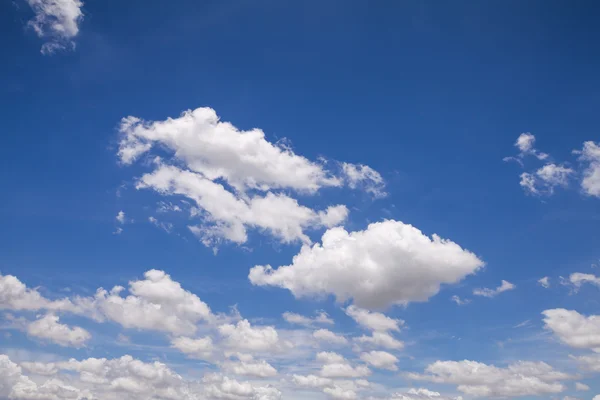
(373, 320)
(590, 154)
(380, 339)
(339, 393)
(166, 226)
(228, 216)
(155, 303)
(546, 179)
(244, 337)
(120, 217)
(589, 362)
(421, 394)
(482, 380)
(320, 318)
(358, 175)
(221, 387)
(525, 143)
(257, 369)
(311, 381)
(388, 263)
(336, 366)
(574, 329)
(49, 328)
(201, 348)
(219, 150)
(459, 301)
(107, 379)
(486, 292)
(544, 282)
(380, 359)
(578, 279)
(581, 387)
(57, 21)
(14, 295)
(39, 368)
(326, 335)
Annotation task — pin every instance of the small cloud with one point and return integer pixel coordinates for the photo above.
(118, 231)
(120, 217)
(544, 282)
(459, 301)
(486, 292)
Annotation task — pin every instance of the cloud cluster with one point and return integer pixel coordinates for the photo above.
(57, 21)
(236, 177)
(388, 263)
(482, 380)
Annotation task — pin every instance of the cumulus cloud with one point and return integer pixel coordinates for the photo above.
(57, 21)
(245, 337)
(257, 369)
(590, 362)
(237, 177)
(578, 279)
(421, 394)
(154, 303)
(486, 292)
(325, 335)
(526, 145)
(590, 154)
(201, 348)
(546, 179)
(581, 387)
(380, 339)
(320, 318)
(15, 295)
(120, 217)
(380, 359)
(228, 216)
(311, 381)
(336, 366)
(482, 380)
(574, 329)
(375, 321)
(110, 379)
(358, 175)
(388, 263)
(49, 328)
(218, 386)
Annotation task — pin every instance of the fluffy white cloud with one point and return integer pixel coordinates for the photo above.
(155, 303)
(486, 292)
(57, 21)
(574, 329)
(578, 279)
(15, 295)
(336, 366)
(328, 336)
(49, 328)
(546, 179)
(388, 263)
(544, 282)
(339, 393)
(312, 381)
(107, 379)
(120, 217)
(526, 145)
(375, 321)
(320, 318)
(581, 387)
(482, 380)
(201, 348)
(358, 175)
(227, 216)
(219, 150)
(258, 369)
(421, 394)
(380, 359)
(39, 368)
(380, 339)
(589, 362)
(590, 154)
(244, 337)
(221, 387)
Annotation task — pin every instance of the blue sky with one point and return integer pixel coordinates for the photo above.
(174, 150)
